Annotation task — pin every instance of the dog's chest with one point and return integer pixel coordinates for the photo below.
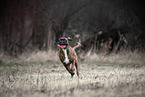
(69, 54)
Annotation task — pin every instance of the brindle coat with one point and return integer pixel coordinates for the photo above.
(72, 56)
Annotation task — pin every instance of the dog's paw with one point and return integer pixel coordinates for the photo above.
(78, 43)
(72, 70)
(72, 75)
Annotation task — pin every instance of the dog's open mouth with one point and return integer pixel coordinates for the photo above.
(62, 43)
(61, 46)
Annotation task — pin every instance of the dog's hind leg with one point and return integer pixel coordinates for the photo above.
(77, 68)
(73, 66)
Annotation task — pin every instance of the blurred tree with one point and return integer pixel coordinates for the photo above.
(38, 24)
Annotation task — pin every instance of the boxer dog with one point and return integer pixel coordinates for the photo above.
(68, 56)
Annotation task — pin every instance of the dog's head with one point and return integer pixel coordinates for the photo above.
(64, 42)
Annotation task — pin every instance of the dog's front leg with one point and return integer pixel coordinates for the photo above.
(67, 66)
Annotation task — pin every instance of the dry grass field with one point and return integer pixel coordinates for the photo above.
(40, 74)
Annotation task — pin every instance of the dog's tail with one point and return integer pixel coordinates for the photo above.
(77, 46)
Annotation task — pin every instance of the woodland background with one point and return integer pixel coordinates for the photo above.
(29, 62)
(38, 24)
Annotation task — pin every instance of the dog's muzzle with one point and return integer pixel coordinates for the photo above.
(62, 43)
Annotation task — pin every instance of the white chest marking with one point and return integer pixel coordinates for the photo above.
(66, 56)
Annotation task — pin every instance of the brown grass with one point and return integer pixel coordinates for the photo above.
(40, 74)
(123, 57)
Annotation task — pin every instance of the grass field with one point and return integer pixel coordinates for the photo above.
(40, 74)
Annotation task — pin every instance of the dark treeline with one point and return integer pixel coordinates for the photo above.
(38, 24)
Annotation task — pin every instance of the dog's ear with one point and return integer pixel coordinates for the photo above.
(69, 39)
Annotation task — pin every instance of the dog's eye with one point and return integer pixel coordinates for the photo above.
(65, 40)
(62, 39)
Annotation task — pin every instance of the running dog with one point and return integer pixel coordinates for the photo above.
(68, 56)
